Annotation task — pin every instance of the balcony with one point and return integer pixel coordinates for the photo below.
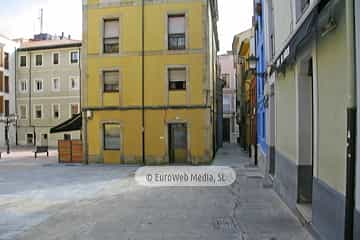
(176, 41)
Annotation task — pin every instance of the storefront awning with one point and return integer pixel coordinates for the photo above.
(73, 124)
(305, 33)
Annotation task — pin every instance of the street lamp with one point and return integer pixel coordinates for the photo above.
(252, 60)
(7, 120)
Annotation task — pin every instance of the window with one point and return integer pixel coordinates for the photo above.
(38, 60)
(74, 83)
(56, 84)
(56, 111)
(1, 104)
(1, 81)
(176, 32)
(7, 108)
(226, 79)
(74, 109)
(74, 57)
(23, 86)
(301, 6)
(23, 111)
(56, 58)
(38, 111)
(6, 79)
(38, 86)
(29, 138)
(227, 104)
(22, 61)
(111, 136)
(304, 5)
(6, 61)
(177, 78)
(1, 57)
(111, 81)
(111, 36)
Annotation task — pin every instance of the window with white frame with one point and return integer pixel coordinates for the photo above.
(177, 78)
(23, 112)
(38, 86)
(38, 60)
(56, 84)
(111, 135)
(300, 7)
(56, 111)
(74, 83)
(23, 86)
(227, 103)
(74, 57)
(111, 81)
(176, 31)
(56, 58)
(111, 36)
(23, 61)
(74, 109)
(38, 113)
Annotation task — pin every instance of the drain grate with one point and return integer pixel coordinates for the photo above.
(226, 224)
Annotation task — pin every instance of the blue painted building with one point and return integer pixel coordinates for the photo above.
(260, 78)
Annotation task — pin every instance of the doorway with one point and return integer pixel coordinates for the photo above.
(226, 130)
(177, 143)
(306, 137)
(44, 140)
(29, 139)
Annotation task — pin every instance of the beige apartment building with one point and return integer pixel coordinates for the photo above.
(7, 91)
(47, 89)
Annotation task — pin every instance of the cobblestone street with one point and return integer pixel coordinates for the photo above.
(40, 199)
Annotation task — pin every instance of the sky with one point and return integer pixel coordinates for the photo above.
(20, 18)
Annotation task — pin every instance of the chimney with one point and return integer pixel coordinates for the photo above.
(62, 36)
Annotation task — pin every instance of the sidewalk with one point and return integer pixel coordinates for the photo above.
(259, 211)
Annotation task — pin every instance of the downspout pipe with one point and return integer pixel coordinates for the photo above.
(143, 79)
(351, 122)
(15, 91)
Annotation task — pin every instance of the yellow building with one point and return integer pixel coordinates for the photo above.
(148, 84)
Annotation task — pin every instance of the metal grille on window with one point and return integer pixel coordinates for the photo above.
(111, 81)
(177, 79)
(176, 37)
(111, 36)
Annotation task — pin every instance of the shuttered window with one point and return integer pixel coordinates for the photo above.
(111, 81)
(1, 104)
(112, 136)
(111, 36)
(176, 32)
(177, 78)
(1, 81)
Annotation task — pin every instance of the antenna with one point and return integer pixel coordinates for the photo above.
(41, 20)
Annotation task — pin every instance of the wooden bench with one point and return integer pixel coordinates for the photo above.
(41, 149)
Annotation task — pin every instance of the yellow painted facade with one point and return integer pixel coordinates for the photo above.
(192, 106)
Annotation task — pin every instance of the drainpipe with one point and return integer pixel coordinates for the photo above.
(143, 79)
(15, 90)
(351, 123)
(80, 86)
